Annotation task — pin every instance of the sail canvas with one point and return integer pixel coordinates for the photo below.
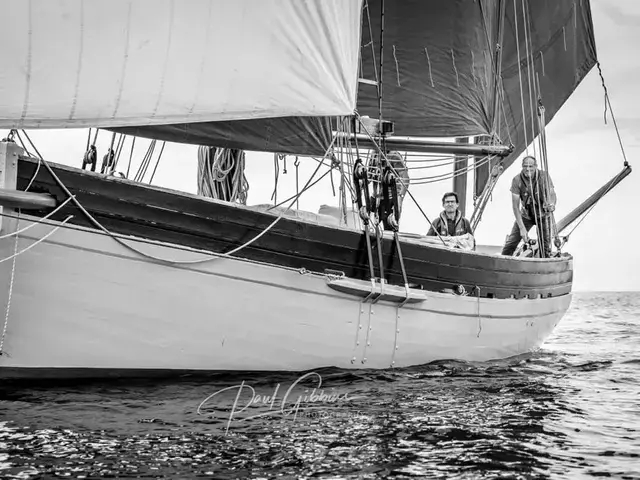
(109, 63)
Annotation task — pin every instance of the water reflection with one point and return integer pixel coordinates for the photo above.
(446, 417)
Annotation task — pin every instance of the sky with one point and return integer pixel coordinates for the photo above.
(583, 155)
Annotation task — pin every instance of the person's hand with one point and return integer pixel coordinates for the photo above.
(549, 207)
(524, 235)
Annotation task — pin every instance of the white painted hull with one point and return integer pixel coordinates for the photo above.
(80, 300)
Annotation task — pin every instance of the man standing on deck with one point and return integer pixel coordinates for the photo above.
(534, 189)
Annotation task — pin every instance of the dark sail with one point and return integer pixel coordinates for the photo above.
(301, 135)
(439, 59)
(564, 51)
(438, 75)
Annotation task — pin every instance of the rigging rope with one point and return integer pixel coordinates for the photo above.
(26, 249)
(276, 176)
(133, 144)
(398, 177)
(524, 117)
(118, 152)
(307, 186)
(142, 169)
(41, 220)
(452, 174)
(584, 215)
(497, 169)
(530, 73)
(607, 103)
(10, 293)
(297, 165)
(494, 174)
(16, 253)
(153, 174)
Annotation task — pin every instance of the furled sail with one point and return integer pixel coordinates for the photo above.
(116, 63)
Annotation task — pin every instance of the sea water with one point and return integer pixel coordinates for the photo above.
(571, 410)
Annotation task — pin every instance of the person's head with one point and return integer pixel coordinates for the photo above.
(450, 202)
(529, 166)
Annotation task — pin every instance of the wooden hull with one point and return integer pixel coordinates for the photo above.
(79, 300)
(187, 220)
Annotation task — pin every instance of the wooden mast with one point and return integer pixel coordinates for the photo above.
(460, 166)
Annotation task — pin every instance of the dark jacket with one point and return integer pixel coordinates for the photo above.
(445, 227)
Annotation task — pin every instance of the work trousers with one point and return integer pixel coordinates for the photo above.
(86, 162)
(544, 236)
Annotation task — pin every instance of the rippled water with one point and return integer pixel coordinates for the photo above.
(569, 411)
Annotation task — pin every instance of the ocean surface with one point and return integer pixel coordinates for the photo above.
(571, 410)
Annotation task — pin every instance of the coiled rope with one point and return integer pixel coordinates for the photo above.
(221, 174)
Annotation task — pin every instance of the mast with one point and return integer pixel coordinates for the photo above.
(460, 176)
(497, 74)
(381, 61)
(483, 170)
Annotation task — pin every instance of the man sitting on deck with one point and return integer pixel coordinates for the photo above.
(451, 223)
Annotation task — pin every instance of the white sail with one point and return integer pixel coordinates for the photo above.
(108, 63)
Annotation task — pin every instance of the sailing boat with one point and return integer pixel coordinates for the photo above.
(101, 275)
